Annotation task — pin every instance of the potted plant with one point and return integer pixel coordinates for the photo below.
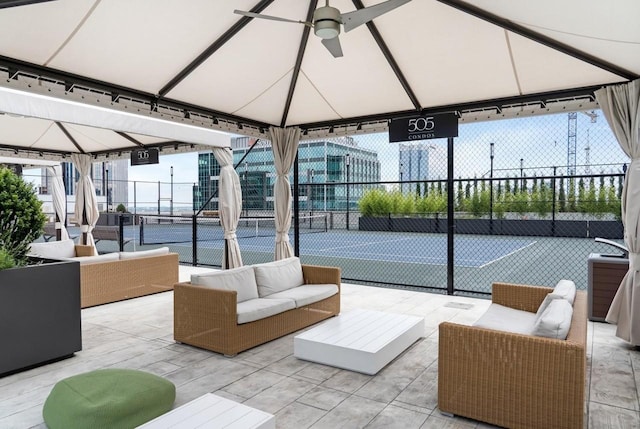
(39, 299)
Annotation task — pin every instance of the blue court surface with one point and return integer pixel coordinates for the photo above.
(409, 248)
(429, 249)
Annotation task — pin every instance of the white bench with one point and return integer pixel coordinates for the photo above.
(359, 340)
(211, 411)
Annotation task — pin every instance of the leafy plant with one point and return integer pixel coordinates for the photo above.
(121, 208)
(21, 216)
(375, 203)
(6, 260)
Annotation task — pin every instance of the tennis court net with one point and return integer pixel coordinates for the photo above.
(156, 229)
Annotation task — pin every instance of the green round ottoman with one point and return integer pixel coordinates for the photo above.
(108, 398)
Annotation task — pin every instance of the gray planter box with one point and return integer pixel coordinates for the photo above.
(374, 224)
(39, 314)
(511, 227)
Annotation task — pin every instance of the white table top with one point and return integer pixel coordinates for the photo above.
(212, 412)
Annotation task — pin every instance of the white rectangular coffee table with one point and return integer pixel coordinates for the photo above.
(359, 340)
(212, 412)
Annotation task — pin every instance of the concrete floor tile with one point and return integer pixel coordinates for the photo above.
(353, 412)
(393, 417)
(323, 398)
(298, 416)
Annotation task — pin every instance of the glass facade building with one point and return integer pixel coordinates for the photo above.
(325, 168)
(413, 165)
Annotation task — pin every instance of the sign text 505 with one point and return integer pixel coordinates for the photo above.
(419, 125)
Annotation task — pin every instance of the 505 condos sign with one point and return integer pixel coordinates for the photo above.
(144, 156)
(423, 127)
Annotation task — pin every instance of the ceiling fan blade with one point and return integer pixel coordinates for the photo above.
(273, 18)
(333, 46)
(354, 19)
(13, 3)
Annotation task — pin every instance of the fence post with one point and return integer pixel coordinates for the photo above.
(450, 217)
(141, 238)
(553, 203)
(121, 232)
(194, 240)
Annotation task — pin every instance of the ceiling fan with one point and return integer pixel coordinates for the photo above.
(327, 20)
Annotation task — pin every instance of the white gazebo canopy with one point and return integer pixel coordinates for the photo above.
(198, 63)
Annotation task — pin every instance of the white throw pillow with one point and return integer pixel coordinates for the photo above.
(53, 249)
(106, 257)
(555, 321)
(242, 280)
(144, 253)
(279, 275)
(566, 289)
(545, 303)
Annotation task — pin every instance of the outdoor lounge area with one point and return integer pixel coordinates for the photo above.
(506, 135)
(138, 334)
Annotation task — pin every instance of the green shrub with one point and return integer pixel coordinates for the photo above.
(408, 205)
(375, 203)
(21, 217)
(121, 208)
(6, 260)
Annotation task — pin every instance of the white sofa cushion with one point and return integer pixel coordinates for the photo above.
(277, 276)
(53, 249)
(107, 257)
(545, 303)
(566, 289)
(144, 253)
(241, 279)
(306, 294)
(255, 309)
(555, 321)
(507, 319)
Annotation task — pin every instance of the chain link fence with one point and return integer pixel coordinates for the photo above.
(529, 197)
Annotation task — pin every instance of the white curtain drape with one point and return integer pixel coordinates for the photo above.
(284, 142)
(620, 105)
(86, 200)
(59, 199)
(229, 207)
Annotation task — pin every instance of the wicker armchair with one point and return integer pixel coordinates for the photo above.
(513, 380)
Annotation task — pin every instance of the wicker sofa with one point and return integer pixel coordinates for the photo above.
(515, 380)
(207, 317)
(114, 276)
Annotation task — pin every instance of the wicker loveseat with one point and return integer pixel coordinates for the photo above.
(114, 276)
(207, 316)
(515, 380)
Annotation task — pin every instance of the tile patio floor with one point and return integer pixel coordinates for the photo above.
(138, 334)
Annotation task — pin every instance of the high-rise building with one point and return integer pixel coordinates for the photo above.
(414, 165)
(109, 178)
(324, 169)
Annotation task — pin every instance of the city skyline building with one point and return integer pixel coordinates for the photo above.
(110, 179)
(414, 164)
(324, 169)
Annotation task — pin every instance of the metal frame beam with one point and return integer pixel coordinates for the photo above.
(70, 137)
(204, 56)
(498, 103)
(296, 69)
(14, 3)
(70, 80)
(539, 38)
(390, 59)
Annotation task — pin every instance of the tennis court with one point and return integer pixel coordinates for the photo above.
(474, 252)
(409, 259)
(257, 235)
